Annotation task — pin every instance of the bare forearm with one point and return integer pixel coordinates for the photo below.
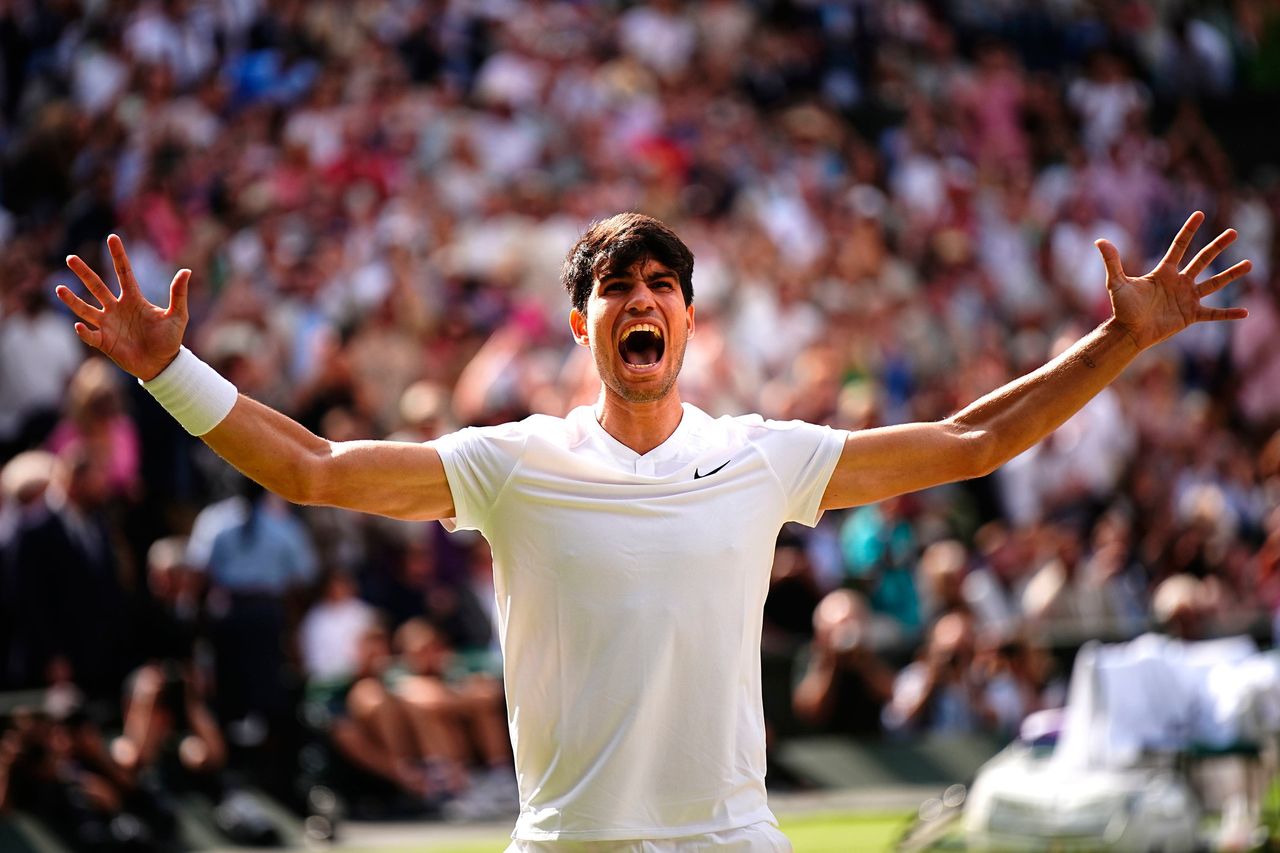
(269, 448)
(1014, 417)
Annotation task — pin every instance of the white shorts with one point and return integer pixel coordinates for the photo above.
(761, 837)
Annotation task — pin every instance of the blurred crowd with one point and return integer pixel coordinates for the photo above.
(892, 206)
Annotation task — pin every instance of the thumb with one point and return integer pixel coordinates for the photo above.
(178, 295)
(1111, 259)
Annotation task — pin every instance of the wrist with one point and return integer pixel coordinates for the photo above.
(1120, 331)
(164, 365)
(193, 392)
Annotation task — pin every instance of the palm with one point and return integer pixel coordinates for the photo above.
(1168, 299)
(140, 337)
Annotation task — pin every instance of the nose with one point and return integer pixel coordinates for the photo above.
(641, 300)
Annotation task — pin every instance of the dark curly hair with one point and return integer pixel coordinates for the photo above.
(614, 244)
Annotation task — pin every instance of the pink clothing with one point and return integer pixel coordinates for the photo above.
(995, 104)
(1257, 358)
(118, 442)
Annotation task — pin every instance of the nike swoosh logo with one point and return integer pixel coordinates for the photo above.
(698, 476)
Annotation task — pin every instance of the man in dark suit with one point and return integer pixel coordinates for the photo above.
(67, 600)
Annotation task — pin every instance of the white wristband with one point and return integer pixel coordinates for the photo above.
(193, 392)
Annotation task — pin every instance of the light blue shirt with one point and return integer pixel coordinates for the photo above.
(272, 556)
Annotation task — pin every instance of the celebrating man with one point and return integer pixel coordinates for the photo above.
(632, 540)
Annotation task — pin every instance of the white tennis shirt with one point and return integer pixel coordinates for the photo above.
(630, 594)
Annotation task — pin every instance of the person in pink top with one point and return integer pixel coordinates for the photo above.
(95, 418)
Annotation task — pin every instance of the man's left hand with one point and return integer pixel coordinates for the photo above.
(1166, 300)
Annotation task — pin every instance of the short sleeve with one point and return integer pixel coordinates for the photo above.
(803, 457)
(478, 461)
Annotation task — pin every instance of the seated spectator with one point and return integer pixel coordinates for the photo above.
(419, 575)
(369, 725)
(171, 738)
(424, 413)
(330, 633)
(166, 718)
(941, 692)
(461, 717)
(845, 685)
(345, 653)
(54, 765)
(1112, 578)
(1017, 679)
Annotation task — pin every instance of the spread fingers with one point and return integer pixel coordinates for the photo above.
(78, 306)
(90, 280)
(124, 270)
(1215, 283)
(1207, 255)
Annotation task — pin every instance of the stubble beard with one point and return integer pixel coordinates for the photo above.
(613, 381)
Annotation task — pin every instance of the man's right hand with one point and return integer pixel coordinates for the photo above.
(141, 338)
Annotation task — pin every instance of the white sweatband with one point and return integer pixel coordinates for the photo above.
(193, 392)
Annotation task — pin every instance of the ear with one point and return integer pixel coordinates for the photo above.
(689, 314)
(578, 325)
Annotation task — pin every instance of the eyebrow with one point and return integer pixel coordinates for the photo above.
(622, 276)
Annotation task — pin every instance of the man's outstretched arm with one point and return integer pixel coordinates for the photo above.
(397, 479)
(879, 463)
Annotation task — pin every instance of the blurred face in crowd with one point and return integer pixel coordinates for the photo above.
(87, 485)
(951, 644)
(373, 650)
(422, 649)
(841, 622)
(637, 326)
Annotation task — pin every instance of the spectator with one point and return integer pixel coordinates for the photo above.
(65, 571)
(95, 417)
(844, 684)
(879, 546)
(1258, 363)
(371, 727)
(461, 716)
(1181, 609)
(1017, 679)
(255, 568)
(994, 588)
(38, 354)
(329, 633)
(53, 765)
(941, 692)
(166, 716)
(942, 572)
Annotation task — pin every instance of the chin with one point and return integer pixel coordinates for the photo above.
(633, 394)
(650, 390)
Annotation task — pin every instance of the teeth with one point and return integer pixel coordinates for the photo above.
(642, 327)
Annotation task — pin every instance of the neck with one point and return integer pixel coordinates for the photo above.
(640, 426)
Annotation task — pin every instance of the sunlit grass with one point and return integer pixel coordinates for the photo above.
(839, 832)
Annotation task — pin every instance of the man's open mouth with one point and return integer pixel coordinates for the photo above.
(642, 345)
